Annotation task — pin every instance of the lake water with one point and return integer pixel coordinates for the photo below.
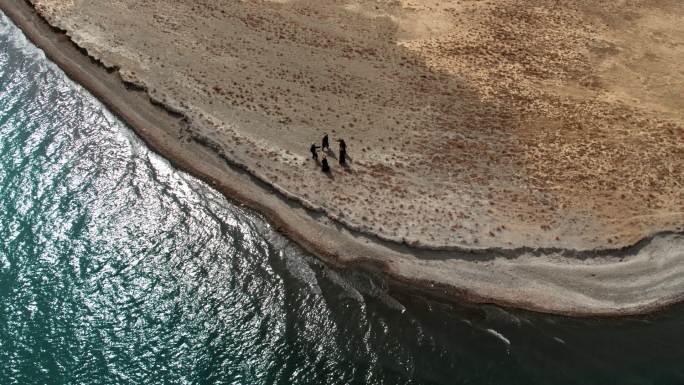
(115, 268)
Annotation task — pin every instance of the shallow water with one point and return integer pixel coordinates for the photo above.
(116, 268)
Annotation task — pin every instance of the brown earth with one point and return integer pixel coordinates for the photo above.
(640, 278)
(470, 124)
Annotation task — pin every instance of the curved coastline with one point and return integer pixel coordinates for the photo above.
(545, 280)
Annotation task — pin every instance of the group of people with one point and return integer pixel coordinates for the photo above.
(325, 145)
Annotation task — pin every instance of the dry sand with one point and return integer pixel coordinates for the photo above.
(504, 126)
(470, 123)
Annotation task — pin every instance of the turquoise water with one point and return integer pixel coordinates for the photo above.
(116, 268)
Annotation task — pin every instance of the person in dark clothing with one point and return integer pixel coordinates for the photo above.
(343, 156)
(324, 165)
(324, 143)
(314, 153)
(343, 145)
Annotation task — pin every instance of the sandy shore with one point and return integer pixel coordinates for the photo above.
(546, 261)
(470, 124)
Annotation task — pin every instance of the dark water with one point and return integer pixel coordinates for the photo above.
(116, 268)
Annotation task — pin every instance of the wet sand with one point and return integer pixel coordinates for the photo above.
(519, 265)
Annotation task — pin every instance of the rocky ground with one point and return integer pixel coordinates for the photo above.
(501, 123)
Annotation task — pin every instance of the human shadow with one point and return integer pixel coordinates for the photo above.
(331, 153)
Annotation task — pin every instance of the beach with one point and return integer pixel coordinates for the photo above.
(485, 165)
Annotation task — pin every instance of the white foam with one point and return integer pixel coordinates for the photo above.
(347, 286)
(17, 38)
(560, 340)
(499, 336)
(298, 267)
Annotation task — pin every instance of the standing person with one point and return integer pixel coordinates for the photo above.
(343, 145)
(324, 143)
(343, 156)
(314, 153)
(324, 165)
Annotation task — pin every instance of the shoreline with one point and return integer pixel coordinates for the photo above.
(446, 274)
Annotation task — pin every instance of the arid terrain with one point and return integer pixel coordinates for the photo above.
(471, 124)
(525, 153)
